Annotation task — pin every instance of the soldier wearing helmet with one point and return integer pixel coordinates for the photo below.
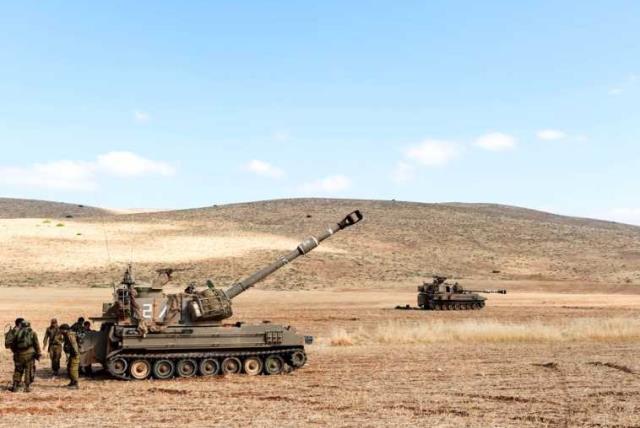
(78, 326)
(26, 349)
(73, 352)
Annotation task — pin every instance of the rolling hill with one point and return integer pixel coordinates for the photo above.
(398, 245)
(30, 208)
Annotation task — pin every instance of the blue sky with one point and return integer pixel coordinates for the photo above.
(182, 104)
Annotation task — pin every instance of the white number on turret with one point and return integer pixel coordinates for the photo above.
(147, 311)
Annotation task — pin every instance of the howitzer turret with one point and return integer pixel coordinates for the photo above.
(146, 332)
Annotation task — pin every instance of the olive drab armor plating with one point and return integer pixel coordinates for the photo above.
(146, 332)
(441, 295)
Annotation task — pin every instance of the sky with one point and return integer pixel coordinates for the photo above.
(162, 104)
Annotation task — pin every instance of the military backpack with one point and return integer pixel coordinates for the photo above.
(24, 339)
(10, 338)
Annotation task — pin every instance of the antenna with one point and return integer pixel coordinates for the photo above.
(106, 240)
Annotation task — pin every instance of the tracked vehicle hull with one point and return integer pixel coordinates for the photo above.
(203, 350)
(450, 302)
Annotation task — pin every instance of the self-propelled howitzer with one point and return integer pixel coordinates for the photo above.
(441, 295)
(146, 332)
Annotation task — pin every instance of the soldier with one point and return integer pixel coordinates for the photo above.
(86, 370)
(191, 288)
(25, 351)
(10, 337)
(53, 337)
(78, 326)
(136, 311)
(73, 354)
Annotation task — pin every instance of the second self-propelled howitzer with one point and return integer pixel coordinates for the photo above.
(146, 332)
(441, 295)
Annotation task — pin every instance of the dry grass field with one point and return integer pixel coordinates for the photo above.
(572, 362)
(561, 349)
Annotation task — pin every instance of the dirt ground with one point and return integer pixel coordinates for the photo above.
(448, 383)
(561, 349)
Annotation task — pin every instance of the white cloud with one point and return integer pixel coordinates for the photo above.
(141, 116)
(331, 184)
(71, 175)
(264, 169)
(625, 215)
(127, 164)
(403, 172)
(615, 91)
(551, 134)
(433, 152)
(57, 175)
(496, 141)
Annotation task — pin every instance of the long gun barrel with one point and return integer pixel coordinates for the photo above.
(305, 246)
(500, 291)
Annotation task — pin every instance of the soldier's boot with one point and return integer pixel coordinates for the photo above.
(15, 387)
(54, 373)
(27, 388)
(73, 384)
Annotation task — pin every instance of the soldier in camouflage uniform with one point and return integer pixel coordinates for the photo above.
(73, 354)
(55, 341)
(25, 351)
(10, 340)
(78, 326)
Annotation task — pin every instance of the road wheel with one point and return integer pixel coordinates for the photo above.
(209, 367)
(274, 364)
(187, 367)
(231, 365)
(140, 369)
(163, 369)
(297, 359)
(458, 306)
(252, 366)
(118, 366)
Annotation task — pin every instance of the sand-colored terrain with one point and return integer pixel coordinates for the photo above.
(72, 246)
(517, 381)
(398, 245)
(560, 349)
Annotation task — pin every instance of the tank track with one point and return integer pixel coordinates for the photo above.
(198, 356)
(445, 306)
